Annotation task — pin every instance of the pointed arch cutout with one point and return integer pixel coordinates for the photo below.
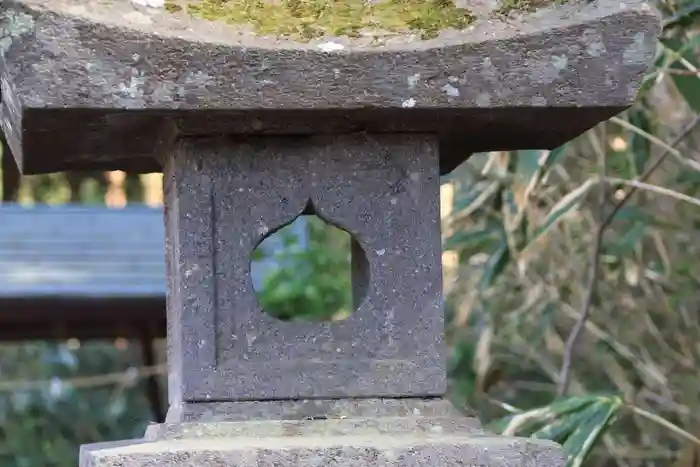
(321, 275)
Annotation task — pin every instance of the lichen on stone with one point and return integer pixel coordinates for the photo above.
(12, 25)
(310, 19)
(508, 6)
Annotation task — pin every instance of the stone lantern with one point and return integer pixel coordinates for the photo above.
(353, 121)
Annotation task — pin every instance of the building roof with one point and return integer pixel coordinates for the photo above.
(87, 271)
(80, 251)
(81, 271)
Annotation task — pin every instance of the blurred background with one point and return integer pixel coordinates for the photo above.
(572, 279)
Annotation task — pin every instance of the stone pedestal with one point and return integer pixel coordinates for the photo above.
(253, 132)
(368, 433)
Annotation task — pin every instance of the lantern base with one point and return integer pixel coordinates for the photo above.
(430, 437)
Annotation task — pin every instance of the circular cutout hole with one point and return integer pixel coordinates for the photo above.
(304, 271)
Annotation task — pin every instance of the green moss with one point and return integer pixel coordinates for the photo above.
(172, 7)
(309, 19)
(508, 6)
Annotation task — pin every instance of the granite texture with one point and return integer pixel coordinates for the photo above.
(89, 84)
(224, 195)
(407, 441)
(312, 418)
(343, 451)
(316, 409)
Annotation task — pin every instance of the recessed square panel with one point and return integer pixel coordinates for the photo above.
(384, 191)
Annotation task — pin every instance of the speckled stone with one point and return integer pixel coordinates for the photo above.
(407, 410)
(223, 196)
(89, 84)
(364, 450)
(434, 437)
(317, 409)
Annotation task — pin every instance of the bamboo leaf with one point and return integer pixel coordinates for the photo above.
(474, 198)
(587, 434)
(685, 17)
(565, 205)
(640, 147)
(566, 423)
(626, 242)
(559, 429)
(528, 422)
(528, 163)
(575, 422)
(462, 239)
(496, 264)
(535, 165)
(524, 423)
(688, 85)
(554, 157)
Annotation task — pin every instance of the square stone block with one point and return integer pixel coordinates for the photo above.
(225, 195)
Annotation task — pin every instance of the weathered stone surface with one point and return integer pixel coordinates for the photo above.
(223, 196)
(415, 439)
(317, 409)
(91, 84)
(369, 450)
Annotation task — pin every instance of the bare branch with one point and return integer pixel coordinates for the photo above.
(594, 263)
(121, 377)
(565, 373)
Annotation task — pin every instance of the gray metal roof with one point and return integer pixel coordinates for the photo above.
(89, 252)
(81, 251)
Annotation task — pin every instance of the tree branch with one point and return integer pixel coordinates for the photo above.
(564, 376)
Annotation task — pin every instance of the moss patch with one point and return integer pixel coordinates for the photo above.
(309, 19)
(508, 6)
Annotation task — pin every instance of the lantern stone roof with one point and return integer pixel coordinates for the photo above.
(109, 84)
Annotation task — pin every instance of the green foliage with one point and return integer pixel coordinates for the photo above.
(43, 421)
(577, 423)
(523, 224)
(313, 282)
(681, 60)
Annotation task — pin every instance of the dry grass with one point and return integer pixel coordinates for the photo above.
(642, 338)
